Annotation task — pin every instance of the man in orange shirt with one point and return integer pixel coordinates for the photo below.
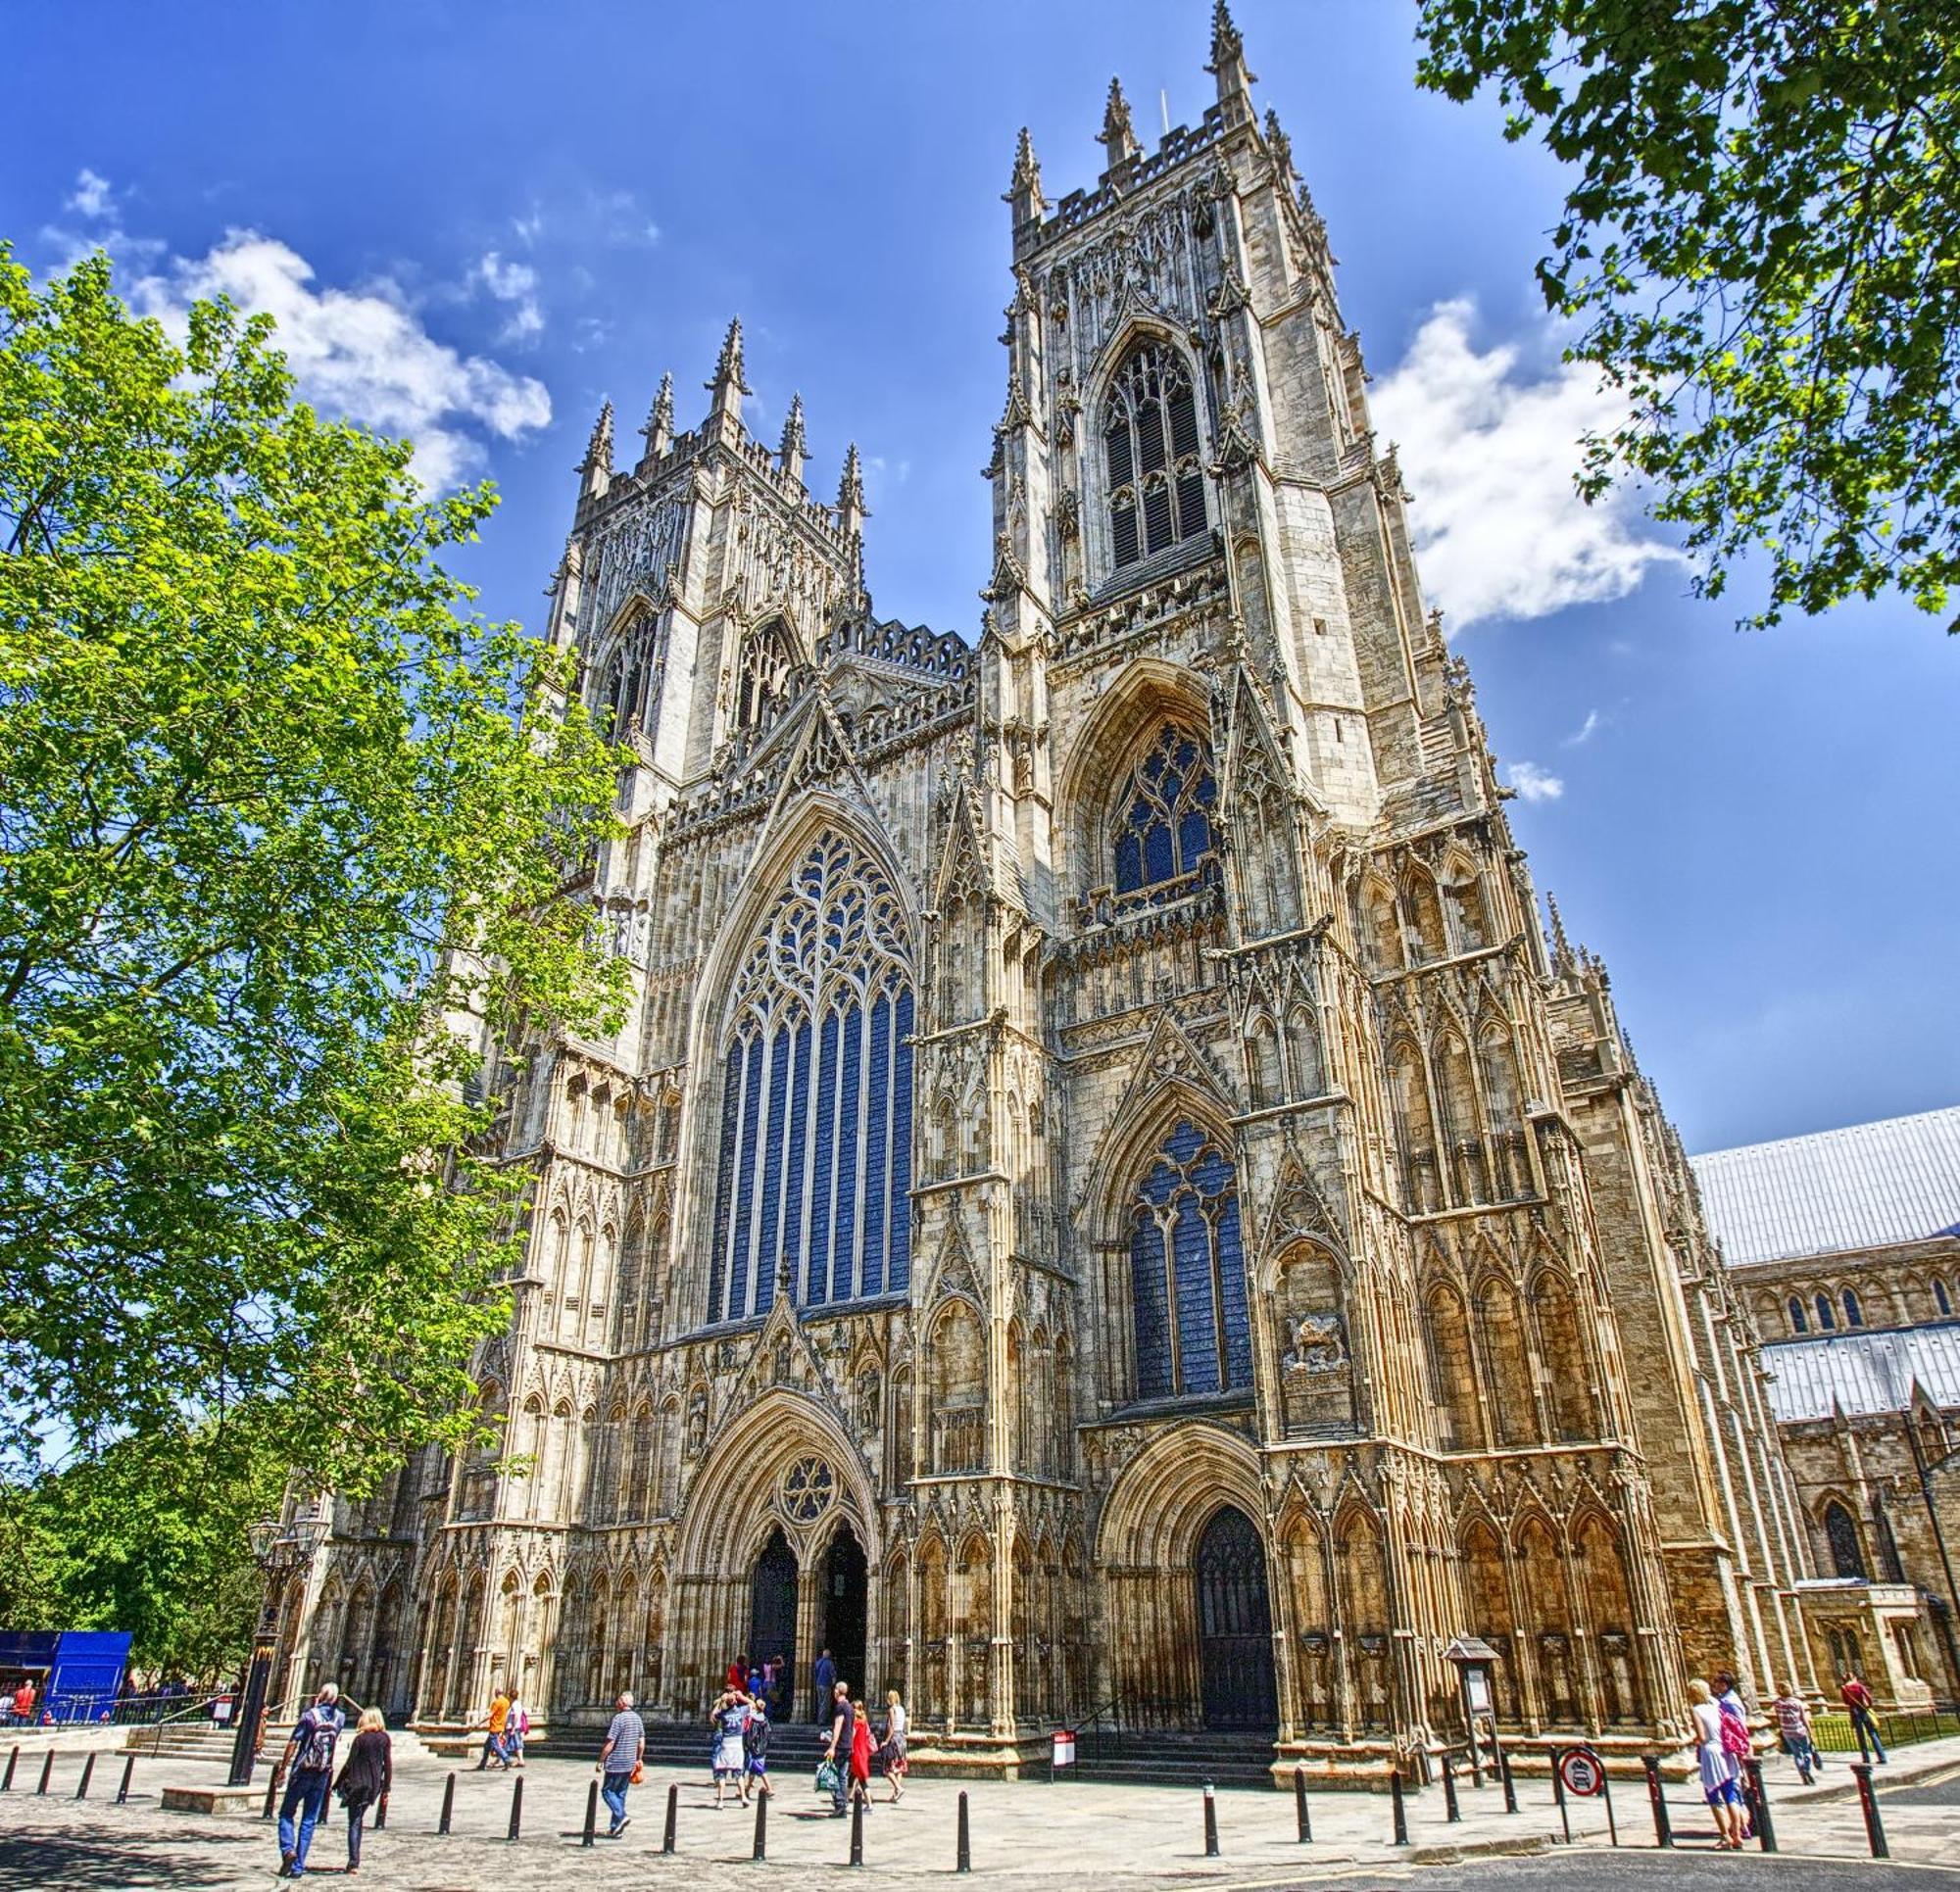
(493, 1742)
(24, 1701)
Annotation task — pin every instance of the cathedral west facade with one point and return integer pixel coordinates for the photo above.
(1104, 1199)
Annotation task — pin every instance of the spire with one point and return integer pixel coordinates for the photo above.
(659, 430)
(1024, 191)
(596, 469)
(795, 449)
(851, 511)
(729, 386)
(1118, 136)
(1228, 68)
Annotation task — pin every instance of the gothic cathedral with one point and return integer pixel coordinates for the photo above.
(1106, 1201)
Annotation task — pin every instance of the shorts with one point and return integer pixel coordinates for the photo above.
(758, 1765)
(1725, 1793)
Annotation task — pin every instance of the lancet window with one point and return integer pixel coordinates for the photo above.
(1162, 831)
(762, 673)
(1150, 449)
(622, 689)
(814, 1165)
(1187, 1272)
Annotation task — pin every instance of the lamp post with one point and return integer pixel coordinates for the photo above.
(278, 1550)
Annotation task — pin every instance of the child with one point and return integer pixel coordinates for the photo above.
(755, 1745)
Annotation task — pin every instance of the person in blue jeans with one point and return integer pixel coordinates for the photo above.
(625, 1743)
(307, 1765)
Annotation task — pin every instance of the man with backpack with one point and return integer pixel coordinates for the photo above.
(307, 1765)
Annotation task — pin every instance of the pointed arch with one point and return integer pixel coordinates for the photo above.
(1499, 1326)
(1149, 452)
(1568, 1369)
(1453, 1369)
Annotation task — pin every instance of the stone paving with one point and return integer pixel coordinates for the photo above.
(1023, 1835)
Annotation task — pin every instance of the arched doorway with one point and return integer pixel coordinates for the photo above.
(1234, 1625)
(773, 1606)
(842, 1611)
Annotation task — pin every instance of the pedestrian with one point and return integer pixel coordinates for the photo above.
(756, 1748)
(729, 1718)
(862, 1746)
(896, 1723)
(493, 1741)
(838, 1748)
(1800, 1741)
(619, 1763)
(366, 1777)
(826, 1687)
(1857, 1698)
(1718, 1767)
(738, 1674)
(307, 1765)
(772, 1675)
(24, 1701)
(1735, 1741)
(516, 1730)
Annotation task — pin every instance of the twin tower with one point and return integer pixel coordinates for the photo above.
(1105, 1197)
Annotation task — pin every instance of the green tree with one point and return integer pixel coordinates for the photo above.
(284, 831)
(1762, 238)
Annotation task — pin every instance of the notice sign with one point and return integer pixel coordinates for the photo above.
(1582, 1772)
(1478, 1690)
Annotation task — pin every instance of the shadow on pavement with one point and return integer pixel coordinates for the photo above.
(30, 1864)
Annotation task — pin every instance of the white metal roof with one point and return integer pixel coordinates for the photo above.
(1862, 1373)
(1864, 1186)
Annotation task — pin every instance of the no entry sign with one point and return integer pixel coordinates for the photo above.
(1582, 1772)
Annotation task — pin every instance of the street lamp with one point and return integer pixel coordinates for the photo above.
(278, 1549)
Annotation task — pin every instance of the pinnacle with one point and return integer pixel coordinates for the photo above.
(1119, 132)
(599, 448)
(793, 440)
(850, 486)
(728, 365)
(1226, 40)
(1027, 167)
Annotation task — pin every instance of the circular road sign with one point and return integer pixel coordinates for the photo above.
(1582, 1772)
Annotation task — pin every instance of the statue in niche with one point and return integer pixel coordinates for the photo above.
(697, 1423)
(1319, 1345)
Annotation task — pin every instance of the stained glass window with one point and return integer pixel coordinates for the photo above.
(1187, 1272)
(1150, 455)
(1161, 828)
(814, 1165)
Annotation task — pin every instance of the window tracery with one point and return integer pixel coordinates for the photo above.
(1187, 1272)
(816, 1109)
(762, 673)
(1150, 458)
(1161, 834)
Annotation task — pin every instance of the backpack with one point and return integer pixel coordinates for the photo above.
(1735, 1735)
(315, 1735)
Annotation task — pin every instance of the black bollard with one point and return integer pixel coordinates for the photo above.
(1450, 1809)
(962, 1858)
(1759, 1802)
(1210, 1821)
(271, 1796)
(1396, 1808)
(673, 1817)
(123, 1792)
(1559, 1794)
(761, 1851)
(87, 1775)
(1510, 1785)
(591, 1813)
(47, 1772)
(1874, 1827)
(7, 1782)
(856, 1830)
(516, 1811)
(1657, 1800)
(1301, 1820)
(448, 1803)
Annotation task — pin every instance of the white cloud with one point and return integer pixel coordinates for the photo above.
(516, 284)
(1533, 783)
(1489, 455)
(364, 354)
(93, 196)
(1584, 733)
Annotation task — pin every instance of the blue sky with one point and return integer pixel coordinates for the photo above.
(477, 221)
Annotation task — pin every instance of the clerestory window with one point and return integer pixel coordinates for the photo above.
(1150, 449)
(1162, 828)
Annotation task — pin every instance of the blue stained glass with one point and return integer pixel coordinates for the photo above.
(1196, 1314)
(1158, 863)
(1232, 1294)
(773, 1170)
(822, 1172)
(745, 1179)
(1129, 864)
(844, 1245)
(878, 1105)
(1162, 832)
(1152, 1318)
(798, 1141)
(900, 1272)
(1194, 837)
(731, 1092)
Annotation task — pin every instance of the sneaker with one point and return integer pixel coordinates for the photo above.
(285, 1866)
(624, 1820)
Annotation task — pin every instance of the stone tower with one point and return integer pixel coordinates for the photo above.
(1104, 1198)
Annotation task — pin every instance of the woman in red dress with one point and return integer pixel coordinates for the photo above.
(862, 1749)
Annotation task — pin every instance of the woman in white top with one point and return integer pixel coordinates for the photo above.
(1718, 1767)
(896, 1724)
